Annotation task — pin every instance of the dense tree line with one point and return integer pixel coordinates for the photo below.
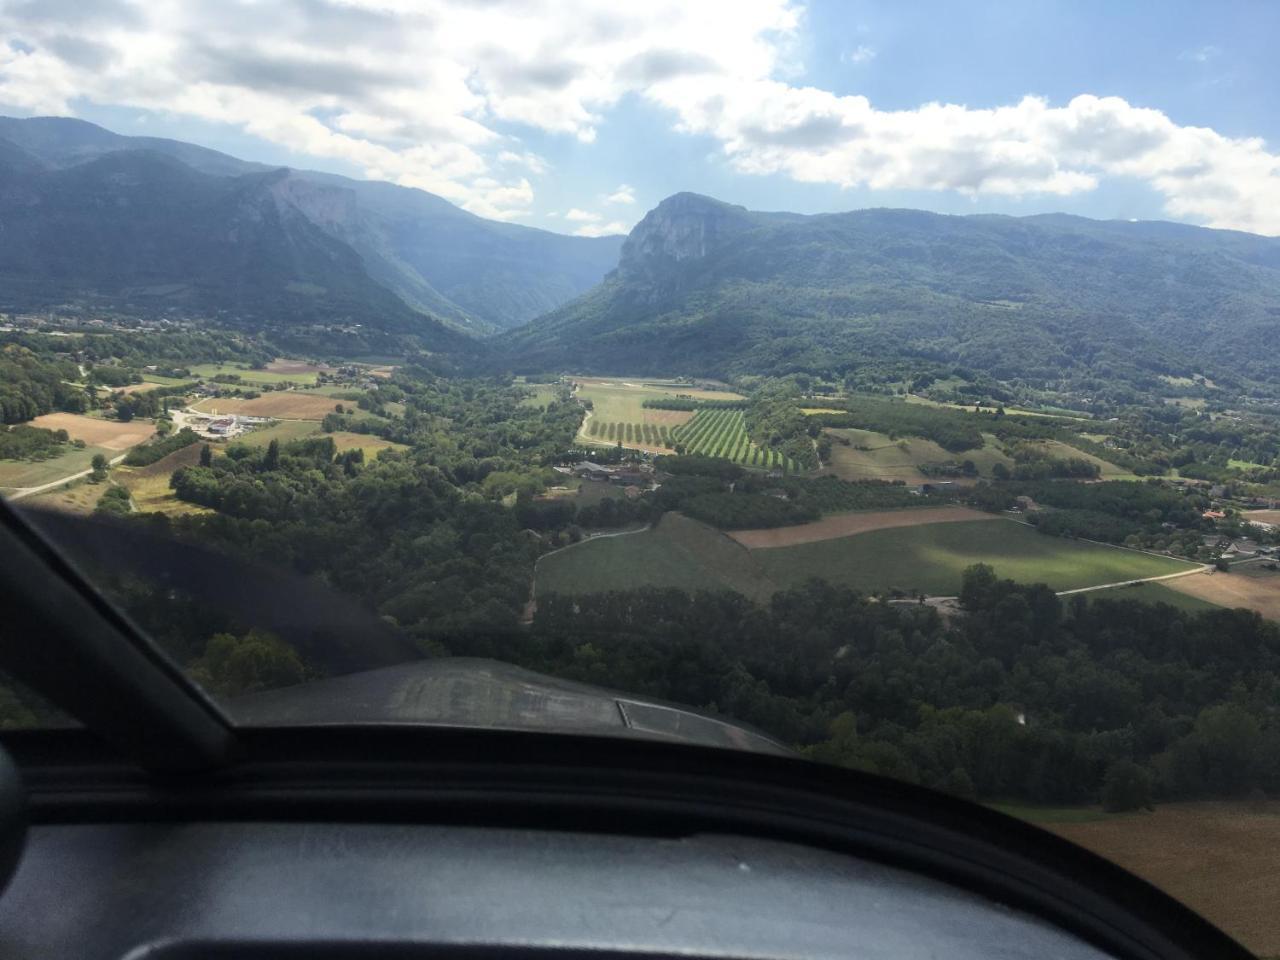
(1024, 697)
(31, 385)
(688, 403)
(148, 453)
(23, 442)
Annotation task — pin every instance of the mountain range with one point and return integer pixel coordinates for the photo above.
(143, 223)
(699, 287)
(705, 287)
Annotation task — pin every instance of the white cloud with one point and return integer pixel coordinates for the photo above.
(427, 93)
(438, 93)
(768, 127)
(582, 216)
(1201, 54)
(612, 228)
(859, 54)
(624, 194)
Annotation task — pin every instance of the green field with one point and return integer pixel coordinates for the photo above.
(929, 558)
(622, 400)
(542, 395)
(1154, 593)
(679, 553)
(26, 473)
(1034, 814)
(1057, 450)
(882, 458)
(284, 431)
(252, 376)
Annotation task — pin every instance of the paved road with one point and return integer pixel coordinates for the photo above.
(32, 491)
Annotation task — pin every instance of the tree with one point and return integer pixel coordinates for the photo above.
(99, 467)
(272, 459)
(257, 661)
(976, 585)
(1127, 786)
(206, 456)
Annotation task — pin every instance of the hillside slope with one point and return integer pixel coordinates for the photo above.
(703, 287)
(141, 232)
(477, 275)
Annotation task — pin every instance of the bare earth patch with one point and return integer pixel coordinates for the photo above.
(135, 388)
(1266, 516)
(293, 366)
(284, 405)
(1218, 858)
(110, 434)
(847, 524)
(1234, 590)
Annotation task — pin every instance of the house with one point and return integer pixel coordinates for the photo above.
(592, 471)
(1213, 515)
(222, 427)
(629, 478)
(1025, 503)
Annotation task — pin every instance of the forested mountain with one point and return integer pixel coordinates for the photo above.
(704, 287)
(388, 253)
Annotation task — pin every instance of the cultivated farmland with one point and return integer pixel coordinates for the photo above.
(108, 434)
(722, 433)
(837, 525)
(929, 558)
(618, 412)
(1217, 857)
(19, 474)
(1248, 585)
(293, 372)
(678, 552)
(281, 405)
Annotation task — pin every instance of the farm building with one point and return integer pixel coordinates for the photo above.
(223, 426)
(592, 471)
(1213, 515)
(629, 478)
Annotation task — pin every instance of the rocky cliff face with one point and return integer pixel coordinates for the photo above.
(684, 227)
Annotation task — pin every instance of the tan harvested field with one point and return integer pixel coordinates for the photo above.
(135, 388)
(283, 405)
(670, 418)
(1257, 590)
(847, 524)
(78, 497)
(1266, 516)
(1219, 858)
(280, 365)
(110, 434)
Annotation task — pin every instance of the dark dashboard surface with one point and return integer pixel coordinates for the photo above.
(251, 890)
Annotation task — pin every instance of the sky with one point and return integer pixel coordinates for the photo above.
(580, 116)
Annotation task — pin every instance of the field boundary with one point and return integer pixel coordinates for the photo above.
(832, 526)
